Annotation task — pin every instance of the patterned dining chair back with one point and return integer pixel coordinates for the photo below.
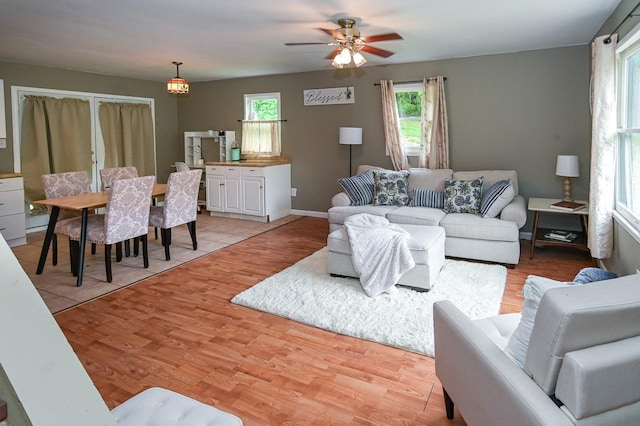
(181, 198)
(127, 211)
(64, 184)
(182, 166)
(109, 176)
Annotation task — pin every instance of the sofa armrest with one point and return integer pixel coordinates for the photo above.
(340, 199)
(516, 211)
(468, 364)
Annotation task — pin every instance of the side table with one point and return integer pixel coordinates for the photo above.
(541, 205)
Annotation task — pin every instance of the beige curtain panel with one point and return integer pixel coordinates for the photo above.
(261, 138)
(434, 144)
(56, 137)
(391, 123)
(127, 131)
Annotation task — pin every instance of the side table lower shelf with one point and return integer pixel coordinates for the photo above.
(580, 243)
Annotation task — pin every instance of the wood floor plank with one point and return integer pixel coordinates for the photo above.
(179, 330)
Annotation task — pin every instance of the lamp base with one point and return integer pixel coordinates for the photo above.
(567, 190)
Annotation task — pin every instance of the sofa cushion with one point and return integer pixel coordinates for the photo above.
(416, 216)
(462, 196)
(496, 198)
(464, 225)
(499, 328)
(575, 317)
(359, 188)
(432, 179)
(533, 290)
(391, 188)
(427, 198)
(490, 177)
(338, 214)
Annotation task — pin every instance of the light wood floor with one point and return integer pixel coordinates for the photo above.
(178, 330)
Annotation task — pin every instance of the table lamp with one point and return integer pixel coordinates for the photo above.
(567, 167)
(350, 136)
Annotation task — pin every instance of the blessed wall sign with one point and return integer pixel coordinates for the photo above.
(336, 95)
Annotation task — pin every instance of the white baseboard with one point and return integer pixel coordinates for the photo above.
(312, 213)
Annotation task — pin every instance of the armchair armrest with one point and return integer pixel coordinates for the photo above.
(516, 211)
(468, 363)
(340, 199)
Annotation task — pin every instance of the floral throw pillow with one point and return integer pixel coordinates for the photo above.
(391, 188)
(463, 196)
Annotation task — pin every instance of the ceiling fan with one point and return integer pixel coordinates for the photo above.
(349, 44)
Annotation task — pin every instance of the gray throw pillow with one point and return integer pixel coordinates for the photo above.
(391, 188)
(463, 196)
(359, 188)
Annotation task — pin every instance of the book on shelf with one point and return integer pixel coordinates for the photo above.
(569, 206)
(566, 236)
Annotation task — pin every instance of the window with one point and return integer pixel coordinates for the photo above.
(261, 125)
(409, 102)
(628, 129)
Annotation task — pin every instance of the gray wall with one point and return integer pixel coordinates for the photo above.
(169, 141)
(512, 111)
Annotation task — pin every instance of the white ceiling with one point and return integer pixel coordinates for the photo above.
(220, 39)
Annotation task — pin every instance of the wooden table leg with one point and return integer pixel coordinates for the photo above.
(53, 218)
(83, 240)
(536, 216)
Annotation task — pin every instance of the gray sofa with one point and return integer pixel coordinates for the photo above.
(582, 364)
(467, 235)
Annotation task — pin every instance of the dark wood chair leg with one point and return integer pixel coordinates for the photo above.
(448, 405)
(54, 255)
(155, 231)
(93, 248)
(127, 248)
(74, 247)
(118, 252)
(145, 251)
(165, 235)
(136, 246)
(107, 260)
(192, 231)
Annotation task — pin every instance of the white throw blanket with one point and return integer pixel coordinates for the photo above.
(379, 251)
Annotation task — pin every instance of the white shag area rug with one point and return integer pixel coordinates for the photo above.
(305, 292)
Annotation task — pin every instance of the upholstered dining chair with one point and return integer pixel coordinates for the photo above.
(126, 217)
(182, 166)
(58, 185)
(108, 176)
(180, 207)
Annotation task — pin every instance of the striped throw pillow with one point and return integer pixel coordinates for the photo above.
(359, 188)
(423, 197)
(497, 198)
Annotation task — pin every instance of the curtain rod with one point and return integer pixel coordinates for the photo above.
(240, 121)
(630, 15)
(408, 82)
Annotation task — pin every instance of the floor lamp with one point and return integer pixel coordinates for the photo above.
(350, 136)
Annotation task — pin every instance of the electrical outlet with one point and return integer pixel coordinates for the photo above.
(294, 192)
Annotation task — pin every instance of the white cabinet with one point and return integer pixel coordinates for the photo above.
(257, 193)
(12, 224)
(3, 123)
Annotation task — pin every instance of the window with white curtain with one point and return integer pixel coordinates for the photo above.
(261, 125)
(409, 103)
(628, 129)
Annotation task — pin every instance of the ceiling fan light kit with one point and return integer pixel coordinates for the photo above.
(178, 85)
(349, 44)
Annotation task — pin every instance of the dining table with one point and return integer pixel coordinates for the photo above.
(83, 203)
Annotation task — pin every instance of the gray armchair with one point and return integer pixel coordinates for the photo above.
(582, 362)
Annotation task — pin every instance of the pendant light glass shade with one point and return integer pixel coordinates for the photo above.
(178, 85)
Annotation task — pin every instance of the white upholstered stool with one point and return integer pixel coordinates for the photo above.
(162, 407)
(427, 249)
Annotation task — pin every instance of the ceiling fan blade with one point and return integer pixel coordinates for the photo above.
(382, 37)
(333, 53)
(305, 44)
(376, 51)
(333, 33)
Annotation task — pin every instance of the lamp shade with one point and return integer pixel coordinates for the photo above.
(350, 136)
(567, 166)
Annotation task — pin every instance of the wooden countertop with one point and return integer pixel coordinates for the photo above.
(252, 162)
(6, 175)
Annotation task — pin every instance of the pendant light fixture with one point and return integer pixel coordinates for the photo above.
(178, 85)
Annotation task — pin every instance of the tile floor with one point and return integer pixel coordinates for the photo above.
(58, 288)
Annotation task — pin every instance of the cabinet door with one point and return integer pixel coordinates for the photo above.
(253, 196)
(232, 193)
(215, 191)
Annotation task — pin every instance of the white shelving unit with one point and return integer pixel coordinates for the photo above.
(193, 145)
(226, 141)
